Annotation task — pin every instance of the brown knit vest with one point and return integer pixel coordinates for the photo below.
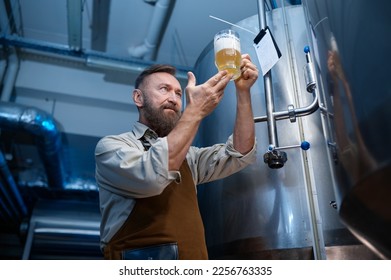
(172, 216)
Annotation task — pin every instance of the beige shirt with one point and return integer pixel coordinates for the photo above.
(125, 171)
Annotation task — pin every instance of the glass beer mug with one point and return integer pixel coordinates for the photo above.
(227, 52)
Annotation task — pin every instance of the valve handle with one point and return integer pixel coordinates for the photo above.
(305, 145)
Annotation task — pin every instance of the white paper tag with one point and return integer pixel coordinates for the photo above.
(267, 52)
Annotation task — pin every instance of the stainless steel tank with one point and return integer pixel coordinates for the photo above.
(275, 213)
(352, 46)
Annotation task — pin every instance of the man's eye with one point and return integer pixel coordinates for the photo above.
(164, 89)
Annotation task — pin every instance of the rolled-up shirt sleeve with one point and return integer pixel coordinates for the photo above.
(218, 161)
(123, 167)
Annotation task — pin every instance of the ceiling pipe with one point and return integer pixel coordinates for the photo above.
(75, 20)
(100, 24)
(160, 17)
(92, 58)
(44, 129)
(7, 216)
(3, 66)
(13, 61)
(10, 75)
(4, 22)
(4, 30)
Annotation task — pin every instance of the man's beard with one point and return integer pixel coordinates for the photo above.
(158, 120)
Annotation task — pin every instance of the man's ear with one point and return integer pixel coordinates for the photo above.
(138, 98)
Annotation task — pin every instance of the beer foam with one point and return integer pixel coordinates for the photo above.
(226, 42)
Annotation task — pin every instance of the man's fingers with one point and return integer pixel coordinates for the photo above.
(191, 82)
(221, 76)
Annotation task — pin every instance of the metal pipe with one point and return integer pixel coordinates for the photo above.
(158, 22)
(299, 112)
(10, 75)
(3, 66)
(267, 78)
(48, 139)
(75, 20)
(4, 22)
(13, 194)
(13, 61)
(16, 16)
(8, 204)
(6, 215)
(126, 65)
(92, 58)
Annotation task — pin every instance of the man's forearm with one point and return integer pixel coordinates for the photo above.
(244, 130)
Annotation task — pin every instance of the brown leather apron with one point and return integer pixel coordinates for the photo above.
(171, 217)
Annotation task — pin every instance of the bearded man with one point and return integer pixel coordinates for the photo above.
(147, 177)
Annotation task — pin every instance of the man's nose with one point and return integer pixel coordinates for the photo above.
(173, 97)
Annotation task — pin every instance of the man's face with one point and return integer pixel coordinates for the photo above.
(162, 95)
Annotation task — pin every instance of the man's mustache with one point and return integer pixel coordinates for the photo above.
(172, 107)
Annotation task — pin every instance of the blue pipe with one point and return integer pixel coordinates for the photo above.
(12, 193)
(42, 126)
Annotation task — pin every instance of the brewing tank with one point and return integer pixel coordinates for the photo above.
(352, 43)
(275, 213)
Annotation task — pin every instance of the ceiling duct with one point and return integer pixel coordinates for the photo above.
(158, 23)
(43, 128)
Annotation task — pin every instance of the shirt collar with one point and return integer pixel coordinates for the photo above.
(140, 130)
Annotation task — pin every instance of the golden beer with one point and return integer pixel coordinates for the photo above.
(227, 52)
(229, 59)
